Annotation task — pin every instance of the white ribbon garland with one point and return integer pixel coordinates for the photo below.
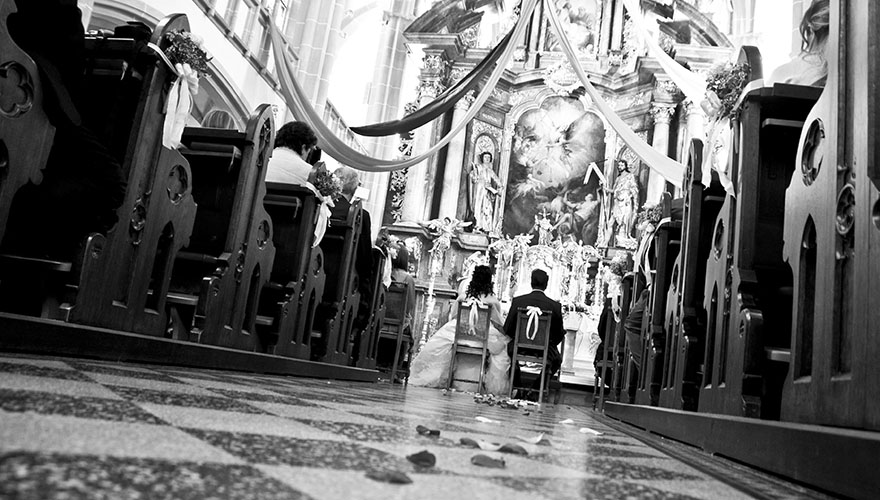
(473, 315)
(324, 214)
(534, 315)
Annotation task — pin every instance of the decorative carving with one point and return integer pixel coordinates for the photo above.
(561, 78)
(466, 102)
(178, 183)
(16, 90)
(240, 262)
(813, 152)
(846, 205)
(662, 113)
(480, 128)
(718, 240)
(523, 96)
(264, 234)
(137, 220)
(470, 35)
(432, 61)
(666, 89)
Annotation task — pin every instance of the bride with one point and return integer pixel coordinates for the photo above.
(430, 368)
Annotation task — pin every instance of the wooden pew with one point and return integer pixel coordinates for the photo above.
(218, 279)
(748, 285)
(618, 337)
(25, 131)
(369, 338)
(338, 308)
(296, 285)
(683, 353)
(831, 237)
(125, 275)
(656, 327)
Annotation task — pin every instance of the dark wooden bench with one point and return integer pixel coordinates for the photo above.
(397, 331)
(683, 352)
(338, 308)
(230, 254)
(618, 336)
(25, 131)
(369, 338)
(748, 284)
(296, 285)
(832, 241)
(656, 327)
(125, 275)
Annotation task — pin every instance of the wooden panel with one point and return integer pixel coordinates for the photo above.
(24, 334)
(125, 275)
(338, 308)
(369, 337)
(840, 461)
(25, 131)
(297, 280)
(229, 270)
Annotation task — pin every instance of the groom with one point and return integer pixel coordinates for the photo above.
(537, 298)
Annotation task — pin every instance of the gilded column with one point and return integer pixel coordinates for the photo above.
(662, 113)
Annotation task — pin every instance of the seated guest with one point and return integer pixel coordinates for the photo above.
(810, 67)
(602, 330)
(537, 298)
(363, 260)
(294, 142)
(82, 181)
(399, 257)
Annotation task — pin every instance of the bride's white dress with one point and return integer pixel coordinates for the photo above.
(430, 368)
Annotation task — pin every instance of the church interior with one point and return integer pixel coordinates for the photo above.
(392, 248)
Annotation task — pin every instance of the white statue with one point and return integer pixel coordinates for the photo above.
(626, 198)
(483, 187)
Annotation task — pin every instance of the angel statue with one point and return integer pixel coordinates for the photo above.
(626, 198)
(442, 230)
(483, 187)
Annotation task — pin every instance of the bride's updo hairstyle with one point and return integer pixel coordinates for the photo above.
(481, 282)
(814, 26)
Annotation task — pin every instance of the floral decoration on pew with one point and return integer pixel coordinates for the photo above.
(327, 187)
(186, 48)
(190, 61)
(724, 84)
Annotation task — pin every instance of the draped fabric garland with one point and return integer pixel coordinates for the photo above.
(693, 85)
(670, 169)
(443, 102)
(346, 155)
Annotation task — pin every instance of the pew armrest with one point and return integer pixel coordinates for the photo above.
(182, 299)
(778, 354)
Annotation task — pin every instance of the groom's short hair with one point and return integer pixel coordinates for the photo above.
(539, 279)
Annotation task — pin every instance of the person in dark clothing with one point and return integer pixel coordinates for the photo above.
(363, 259)
(537, 298)
(82, 182)
(633, 327)
(602, 330)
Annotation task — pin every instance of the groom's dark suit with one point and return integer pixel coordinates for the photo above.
(537, 299)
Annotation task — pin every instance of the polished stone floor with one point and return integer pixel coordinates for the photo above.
(93, 430)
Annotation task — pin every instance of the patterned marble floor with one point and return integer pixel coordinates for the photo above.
(74, 428)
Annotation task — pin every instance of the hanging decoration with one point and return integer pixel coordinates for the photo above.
(343, 153)
(670, 169)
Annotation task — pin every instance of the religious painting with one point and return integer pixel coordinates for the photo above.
(553, 147)
(580, 21)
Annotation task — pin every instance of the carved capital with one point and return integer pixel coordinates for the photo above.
(662, 113)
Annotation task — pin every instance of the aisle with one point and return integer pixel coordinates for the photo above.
(87, 429)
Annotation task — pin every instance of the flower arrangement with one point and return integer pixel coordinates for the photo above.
(185, 48)
(617, 267)
(724, 84)
(327, 184)
(650, 214)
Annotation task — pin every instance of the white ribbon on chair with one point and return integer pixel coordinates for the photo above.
(324, 214)
(180, 101)
(534, 314)
(474, 314)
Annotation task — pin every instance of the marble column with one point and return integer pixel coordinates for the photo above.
(319, 39)
(383, 103)
(662, 113)
(417, 200)
(455, 164)
(695, 121)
